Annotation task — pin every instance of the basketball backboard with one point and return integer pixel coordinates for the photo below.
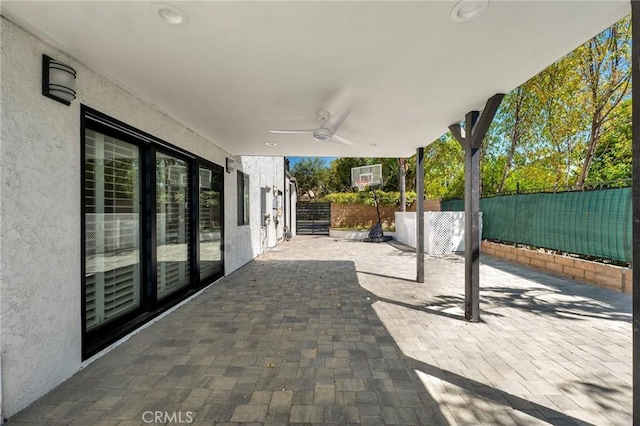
(366, 176)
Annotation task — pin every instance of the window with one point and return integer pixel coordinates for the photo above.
(152, 233)
(243, 199)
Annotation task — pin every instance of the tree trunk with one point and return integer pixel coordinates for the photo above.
(515, 140)
(507, 166)
(594, 137)
(609, 82)
(402, 176)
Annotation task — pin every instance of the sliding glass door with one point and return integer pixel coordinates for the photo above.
(112, 229)
(152, 228)
(172, 224)
(210, 222)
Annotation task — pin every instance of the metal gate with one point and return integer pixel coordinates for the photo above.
(313, 218)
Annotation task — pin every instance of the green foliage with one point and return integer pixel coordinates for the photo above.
(391, 174)
(311, 176)
(509, 137)
(492, 173)
(612, 160)
(560, 131)
(340, 172)
(571, 118)
(443, 168)
(393, 198)
(605, 66)
(365, 198)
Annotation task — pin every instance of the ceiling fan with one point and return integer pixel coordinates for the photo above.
(329, 125)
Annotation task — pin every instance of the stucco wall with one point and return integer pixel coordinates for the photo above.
(266, 177)
(40, 211)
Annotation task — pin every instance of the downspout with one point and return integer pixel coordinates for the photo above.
(285, 190)
(292, 182)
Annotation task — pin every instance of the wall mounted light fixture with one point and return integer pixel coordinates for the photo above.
(230, 165)
(58, 80)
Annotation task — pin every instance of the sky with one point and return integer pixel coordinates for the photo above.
(294, 160)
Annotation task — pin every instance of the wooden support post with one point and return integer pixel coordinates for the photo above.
(635, 191)
(420, 215)
(471, 224)
(476, 127)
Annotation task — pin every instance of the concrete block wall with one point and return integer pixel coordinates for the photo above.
(357, 215)
(608, 276)
(433, 205)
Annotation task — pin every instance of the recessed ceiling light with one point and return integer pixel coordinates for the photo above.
(467, 10)
(170, 14)
(270, 144)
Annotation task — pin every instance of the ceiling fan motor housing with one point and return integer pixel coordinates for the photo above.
(322, 134)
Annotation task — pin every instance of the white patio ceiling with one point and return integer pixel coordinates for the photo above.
(238, 69)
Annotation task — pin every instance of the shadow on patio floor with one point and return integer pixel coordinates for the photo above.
(286, 340)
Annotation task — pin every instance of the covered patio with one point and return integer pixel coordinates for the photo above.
(317, 331)
(321, 330)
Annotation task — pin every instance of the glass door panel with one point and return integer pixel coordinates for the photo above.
(210, 223)
(172, 224)
(112, 228)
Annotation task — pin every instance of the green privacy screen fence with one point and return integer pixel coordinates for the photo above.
(591, 223)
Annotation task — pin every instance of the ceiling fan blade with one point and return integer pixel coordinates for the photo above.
(293, 131)
(341, 140)
(336, 120)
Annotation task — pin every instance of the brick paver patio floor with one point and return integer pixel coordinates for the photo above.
(329, 331)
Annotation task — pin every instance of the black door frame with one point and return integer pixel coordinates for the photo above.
(150, 307)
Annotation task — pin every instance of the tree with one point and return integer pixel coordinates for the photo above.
(549, 132)
(612, 158)
(560, 131)
(444, 168)
(402, 184)
(604, 64)
(391, 177)
(409, 166)
(340, 172)
(311, 177)
(514, 123)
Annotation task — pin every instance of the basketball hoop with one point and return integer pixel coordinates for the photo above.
(366, 176)
(371, 177)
